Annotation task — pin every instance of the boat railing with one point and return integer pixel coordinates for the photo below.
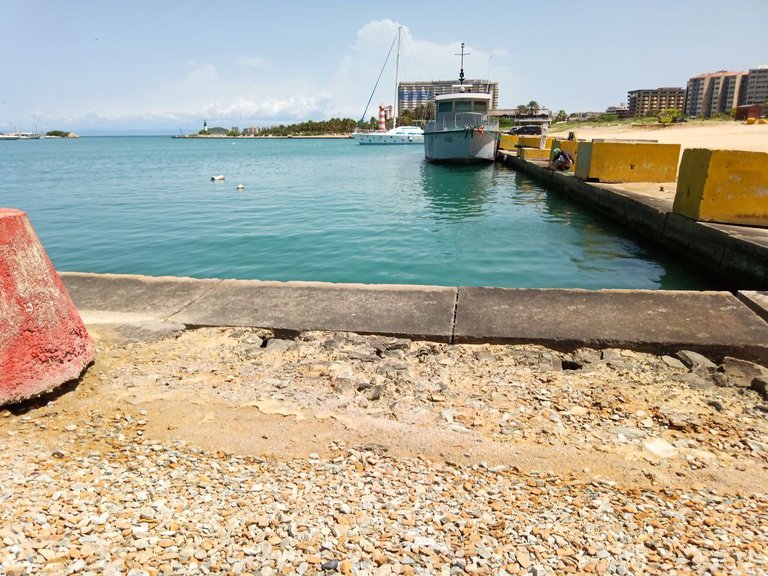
(462, 121)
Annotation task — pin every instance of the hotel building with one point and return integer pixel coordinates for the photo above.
(641, 102)
(413, 94)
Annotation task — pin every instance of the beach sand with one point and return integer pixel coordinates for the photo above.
(727, 135)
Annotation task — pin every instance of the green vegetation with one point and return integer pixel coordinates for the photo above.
(416, 117)
(57, 133)
(311, 128)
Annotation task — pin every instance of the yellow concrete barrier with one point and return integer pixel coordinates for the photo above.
(533, 142)
(728, 186)
(533, 154)
(508, 141)
(606, 161)
(570, 146)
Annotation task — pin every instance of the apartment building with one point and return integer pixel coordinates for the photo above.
(714, 93)
(756, 90)
(640, 102)
(413, 94)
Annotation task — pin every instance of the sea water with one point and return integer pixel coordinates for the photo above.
(314, 209)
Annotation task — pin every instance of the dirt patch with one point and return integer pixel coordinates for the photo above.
(616, 415)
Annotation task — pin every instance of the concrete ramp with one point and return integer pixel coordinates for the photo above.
(422, 312)
(712, 323)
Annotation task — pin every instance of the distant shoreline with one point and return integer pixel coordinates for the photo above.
(323, 137)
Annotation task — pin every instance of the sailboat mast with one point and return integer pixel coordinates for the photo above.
(397, 72)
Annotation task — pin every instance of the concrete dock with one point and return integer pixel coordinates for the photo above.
(715, 324)
(736, 255)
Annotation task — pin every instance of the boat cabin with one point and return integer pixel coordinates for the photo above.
(460, 110)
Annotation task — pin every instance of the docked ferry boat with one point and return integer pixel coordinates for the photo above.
(462, 131)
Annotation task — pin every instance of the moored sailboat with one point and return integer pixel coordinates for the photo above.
(397, 134)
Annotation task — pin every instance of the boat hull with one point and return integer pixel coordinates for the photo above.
(384, 138)
(461, 146)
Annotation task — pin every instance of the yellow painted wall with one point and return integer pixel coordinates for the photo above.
(627, 161)
(508, 141)
(533, 141)
(534, 154)
(728, 186)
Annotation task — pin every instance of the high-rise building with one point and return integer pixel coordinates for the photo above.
(641, 102)
(757, 86)
(714, 93)
(413, 94)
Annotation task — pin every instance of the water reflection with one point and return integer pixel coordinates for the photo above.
(601, 248)
(457, 192)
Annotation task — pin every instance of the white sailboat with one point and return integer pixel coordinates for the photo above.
(462, 131)
(398, 134)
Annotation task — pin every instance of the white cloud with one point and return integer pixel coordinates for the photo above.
(227, 93)
(356, 75)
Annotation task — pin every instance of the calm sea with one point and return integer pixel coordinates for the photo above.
(327, 210)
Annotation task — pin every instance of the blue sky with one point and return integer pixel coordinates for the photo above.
(167, 65)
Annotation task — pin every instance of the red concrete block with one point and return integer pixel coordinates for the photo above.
(43, 342)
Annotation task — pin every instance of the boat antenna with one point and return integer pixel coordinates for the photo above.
(461, 74)
(362, 118)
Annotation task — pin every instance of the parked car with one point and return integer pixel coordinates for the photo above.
(527, 130)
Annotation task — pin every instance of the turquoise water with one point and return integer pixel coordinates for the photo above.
(326, 210)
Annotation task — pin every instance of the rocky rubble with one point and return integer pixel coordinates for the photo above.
(230, 451)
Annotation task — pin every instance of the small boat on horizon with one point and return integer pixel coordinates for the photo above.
(22, 136)
(462, 131)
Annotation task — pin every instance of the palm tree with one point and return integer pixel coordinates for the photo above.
(533, 107)
(522, 109)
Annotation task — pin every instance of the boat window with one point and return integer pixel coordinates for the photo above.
(481, 106)
(445, 106)
(463, 106)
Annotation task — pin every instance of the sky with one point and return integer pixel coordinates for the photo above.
(165, 66)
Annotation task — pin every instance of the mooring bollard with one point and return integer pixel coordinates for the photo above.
(43, 342)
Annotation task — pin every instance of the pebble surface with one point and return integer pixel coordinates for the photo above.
(88, 487)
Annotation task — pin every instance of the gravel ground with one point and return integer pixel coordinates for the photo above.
(228, 451)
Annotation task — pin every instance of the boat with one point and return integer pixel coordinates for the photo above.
(462, 131)
(397, 134)
(9, 136)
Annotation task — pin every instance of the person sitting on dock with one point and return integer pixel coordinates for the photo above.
(561, 160)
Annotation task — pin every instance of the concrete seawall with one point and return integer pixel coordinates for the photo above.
(738, 255)
(715, 324)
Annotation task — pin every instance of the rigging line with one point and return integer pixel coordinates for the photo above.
(362, 118)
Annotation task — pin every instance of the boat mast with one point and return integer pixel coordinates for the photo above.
(461, 74)
(397, 71)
